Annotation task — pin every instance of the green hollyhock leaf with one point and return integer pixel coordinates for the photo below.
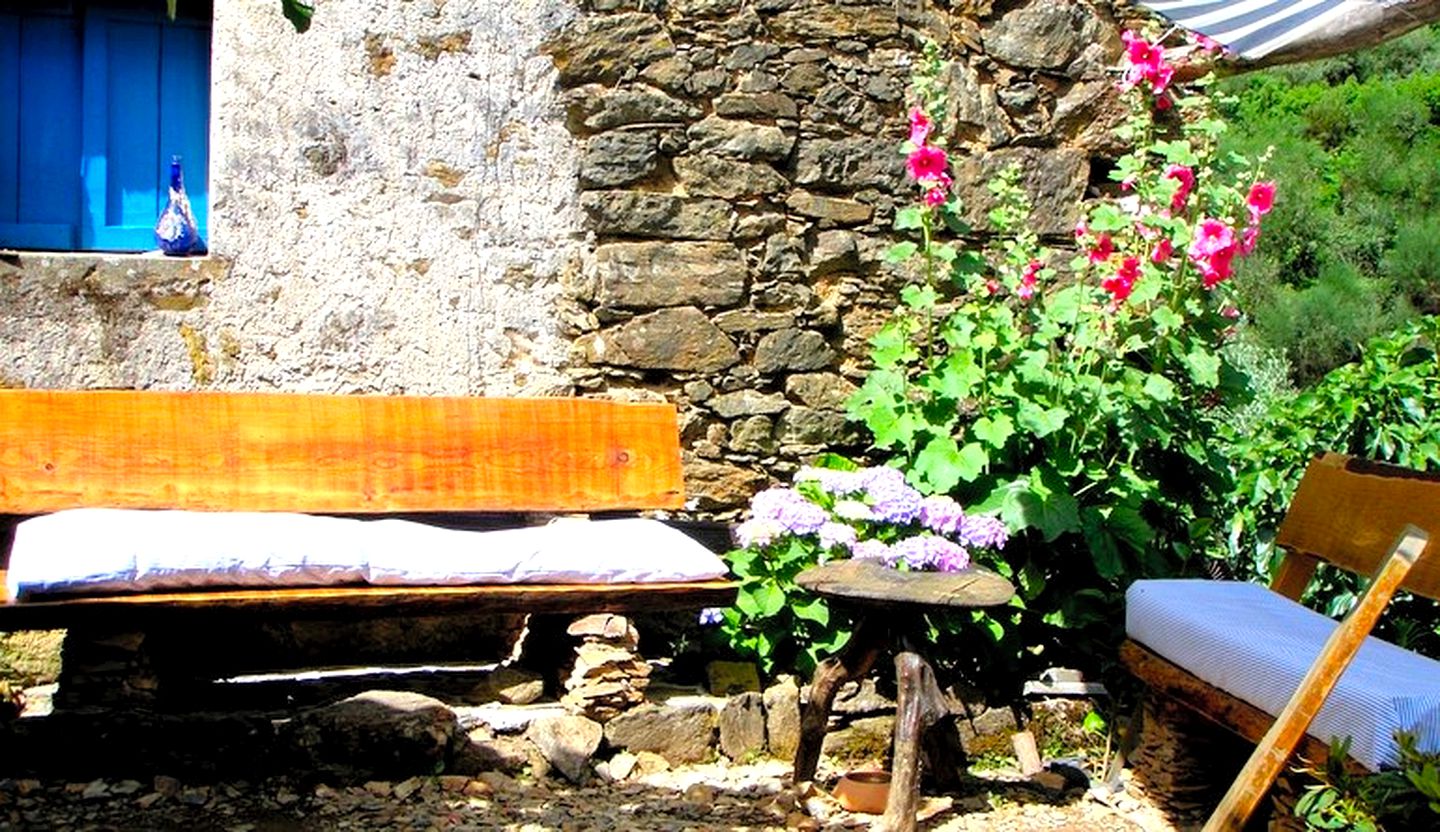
(1101, 543)
(994, 431)
(1204, 367)
(909, 218)
(942, 463)
(919, 297)
(1039, 420)
(900, 252)
(1159, 388)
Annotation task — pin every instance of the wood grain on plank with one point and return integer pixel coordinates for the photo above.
(1348, 512)
(879, 585)
(323, 453)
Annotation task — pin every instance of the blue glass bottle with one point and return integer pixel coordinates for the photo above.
(176, 233)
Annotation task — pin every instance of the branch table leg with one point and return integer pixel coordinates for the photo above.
(920, 705)
(851, 663)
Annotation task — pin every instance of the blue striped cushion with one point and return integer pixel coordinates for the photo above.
(1257, 645)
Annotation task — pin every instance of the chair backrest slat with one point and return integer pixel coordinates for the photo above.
(322, 453)
(1349, 512)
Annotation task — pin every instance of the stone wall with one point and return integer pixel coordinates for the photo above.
(685, 201)
(393, 207)
(740, 176)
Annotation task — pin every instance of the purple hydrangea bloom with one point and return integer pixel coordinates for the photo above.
(790, 509)
(931, 553)
(852, 510)
(891, 498)
(758, 532)
(983, 532)
(833, 482)
(941, 515)
(833, 535)
(711, 615)
(875, 550)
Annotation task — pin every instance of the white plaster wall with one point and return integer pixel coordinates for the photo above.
(357, 262)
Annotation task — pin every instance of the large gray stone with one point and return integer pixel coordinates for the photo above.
(1087, 117)
(977, 110)
(1054, 179)
(834, 209)
(637, 214)
(761, 105)
(670, 339)
(597, 110)
(720, 485)
(748, 320)
(827, 22)
(1043, 34)
(808, 426)
(849, 164)
(619, 158)
(742, 726)
(679, 733)
(747, 403)
(782, 718)
(753, 435)
(743, 140)
(725, 178)
(602, 47)
(792, 349)
(376, 735)
(650, 275)
(481, 751)
(568, 743)
(834, 251)
(825, 391)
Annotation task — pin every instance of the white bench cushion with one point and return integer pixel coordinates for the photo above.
(118, 550)
(1257, 645)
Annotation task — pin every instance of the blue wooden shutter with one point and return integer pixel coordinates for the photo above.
(130, 132)
(39, 131)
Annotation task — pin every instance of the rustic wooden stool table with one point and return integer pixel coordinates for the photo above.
(888, 605)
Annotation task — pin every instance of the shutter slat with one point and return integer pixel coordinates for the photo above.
(9, 120)
(185, 111)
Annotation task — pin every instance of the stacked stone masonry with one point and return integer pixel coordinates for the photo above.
(686, 201)
(740, 174)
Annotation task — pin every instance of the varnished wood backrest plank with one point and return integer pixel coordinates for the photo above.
(322, 453)
(1349, 512)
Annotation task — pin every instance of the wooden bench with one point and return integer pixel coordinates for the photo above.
(1367, 518)
(329, 454)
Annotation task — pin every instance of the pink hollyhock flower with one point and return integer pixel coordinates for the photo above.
(1260, 200)
(936, 195)
(1028, 279)
(1186, 177)
(1104, 247)
(1230, 312)
(920, 126)
(1211, 236)
(1146, 64)
(927, 164)
(992, 286)
(1081, 229)
(1248, 238)
(1122, 283)
(1163, 250)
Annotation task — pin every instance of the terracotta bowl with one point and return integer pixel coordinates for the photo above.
(864, 791)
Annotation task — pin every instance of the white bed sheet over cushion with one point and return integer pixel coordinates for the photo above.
(118, 550)
(1257, 645)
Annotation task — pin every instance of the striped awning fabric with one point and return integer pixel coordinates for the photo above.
(1252, 29)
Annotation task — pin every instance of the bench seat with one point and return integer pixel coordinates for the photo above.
(1257, 645)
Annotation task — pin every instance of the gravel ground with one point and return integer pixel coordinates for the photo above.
(705, 798)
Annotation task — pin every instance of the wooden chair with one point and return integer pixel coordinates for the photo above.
(1361, 516)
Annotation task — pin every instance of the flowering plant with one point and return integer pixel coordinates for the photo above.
(829, 514)
(1077, 398)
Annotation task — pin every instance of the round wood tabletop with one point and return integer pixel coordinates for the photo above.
(867, 581)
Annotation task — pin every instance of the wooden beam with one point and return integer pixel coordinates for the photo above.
(359, 602)
(1275, 748)
(212, 451)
